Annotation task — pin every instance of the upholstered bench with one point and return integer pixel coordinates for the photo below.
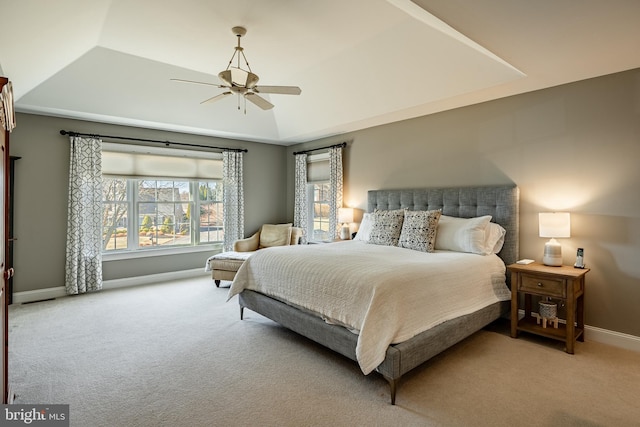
(223, 266)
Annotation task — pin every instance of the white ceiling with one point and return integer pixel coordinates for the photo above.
(360, 63)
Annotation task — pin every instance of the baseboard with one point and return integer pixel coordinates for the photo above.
(38, 295)
(59, 291)
(616, 339)
(153, 278)
(605, 336)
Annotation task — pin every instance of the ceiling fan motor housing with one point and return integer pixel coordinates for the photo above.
(238, 77)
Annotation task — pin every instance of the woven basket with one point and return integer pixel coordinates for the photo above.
(547, 310)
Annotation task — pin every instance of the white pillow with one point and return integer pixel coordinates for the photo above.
(365, 228)
(462, 234)
(494, 238)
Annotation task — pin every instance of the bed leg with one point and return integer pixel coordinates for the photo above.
(241, 312)
(392, 388)
(217, 282)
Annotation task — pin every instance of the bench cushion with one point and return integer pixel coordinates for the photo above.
(228, 261)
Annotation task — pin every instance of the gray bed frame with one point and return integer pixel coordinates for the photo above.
(501, 202)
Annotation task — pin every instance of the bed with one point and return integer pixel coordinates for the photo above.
(379, 335)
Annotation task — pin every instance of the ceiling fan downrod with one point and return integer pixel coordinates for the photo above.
(239, 32)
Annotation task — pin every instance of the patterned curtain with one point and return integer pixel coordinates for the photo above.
(335, 188)
(83, 272)
(233, 197)
(300, 208)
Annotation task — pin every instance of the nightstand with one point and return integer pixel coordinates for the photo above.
(560, 283)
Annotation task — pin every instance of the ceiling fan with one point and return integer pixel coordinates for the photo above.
(243, 82)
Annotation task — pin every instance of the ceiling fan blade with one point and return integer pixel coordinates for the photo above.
(216, 98)
(282, 90)
(258, 100)
(198, 83)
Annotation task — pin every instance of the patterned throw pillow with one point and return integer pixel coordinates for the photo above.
(387, 226)
(419, 230)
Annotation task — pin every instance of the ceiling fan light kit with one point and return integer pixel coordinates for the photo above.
(243, 82)
(238, 77)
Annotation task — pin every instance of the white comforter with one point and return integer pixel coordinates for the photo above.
(385, 294)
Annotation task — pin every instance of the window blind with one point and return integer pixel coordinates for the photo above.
(158, 162)
(318, 168)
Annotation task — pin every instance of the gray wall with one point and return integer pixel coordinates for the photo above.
(572, 148)
(41, 191)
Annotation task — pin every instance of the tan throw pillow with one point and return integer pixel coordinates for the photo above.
(275, 235)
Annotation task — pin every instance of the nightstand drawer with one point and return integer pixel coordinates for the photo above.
(537, 285)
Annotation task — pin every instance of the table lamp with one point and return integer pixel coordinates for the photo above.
(345, 216)
(554, 225)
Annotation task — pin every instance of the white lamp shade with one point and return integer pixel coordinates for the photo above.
(345, 215)
(554, 224)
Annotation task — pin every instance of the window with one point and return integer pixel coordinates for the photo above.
(211, 212)
(151, 213)
(164, 211)
(115, 214)
(157, 197)
(318, 203)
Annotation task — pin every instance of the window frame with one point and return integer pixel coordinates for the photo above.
(133, 249)
(311, 202)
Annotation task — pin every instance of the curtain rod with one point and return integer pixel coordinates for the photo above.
(344, 144)
(167, 143)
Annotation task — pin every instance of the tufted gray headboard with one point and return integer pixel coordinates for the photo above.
(501, 202)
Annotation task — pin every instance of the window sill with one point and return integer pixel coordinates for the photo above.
(160, 252)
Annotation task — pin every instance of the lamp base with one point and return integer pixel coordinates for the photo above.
(345, 232)
(552, 253)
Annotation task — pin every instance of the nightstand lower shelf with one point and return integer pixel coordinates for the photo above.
(529, 324)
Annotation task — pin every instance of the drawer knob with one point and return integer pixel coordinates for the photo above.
(540, 285)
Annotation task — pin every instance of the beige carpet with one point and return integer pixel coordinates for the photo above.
(176, 354)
